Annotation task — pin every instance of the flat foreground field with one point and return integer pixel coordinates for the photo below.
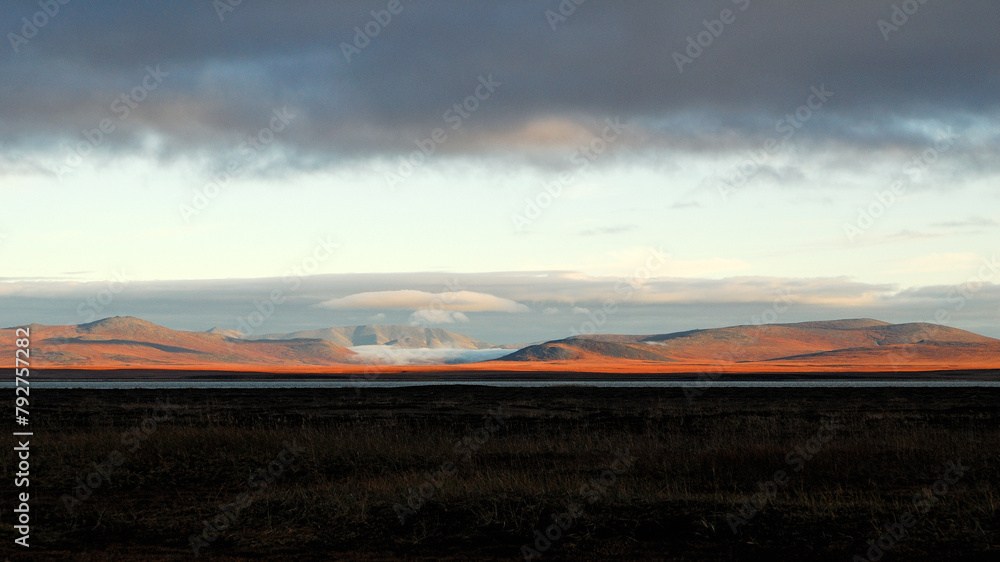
(458, 472)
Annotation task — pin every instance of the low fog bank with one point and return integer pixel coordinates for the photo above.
(426, 356)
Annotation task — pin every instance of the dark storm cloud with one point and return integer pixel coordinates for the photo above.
(224, 78)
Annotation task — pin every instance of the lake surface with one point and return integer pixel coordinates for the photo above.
(829, 383)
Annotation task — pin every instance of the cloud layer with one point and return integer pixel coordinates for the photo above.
(548, 305)
(225, 74)
(467, 301)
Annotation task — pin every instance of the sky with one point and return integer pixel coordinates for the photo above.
(516, 171)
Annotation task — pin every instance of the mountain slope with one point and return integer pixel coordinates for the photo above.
(849, 343)
(131, 342)
(836, 346)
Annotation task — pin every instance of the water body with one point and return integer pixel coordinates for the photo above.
(238, 384)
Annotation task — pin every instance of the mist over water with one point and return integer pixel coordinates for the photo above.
(427, 356)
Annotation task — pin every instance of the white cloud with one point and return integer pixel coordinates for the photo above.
(425, 356)
(466, 301)
(580, 310)
(581, 291)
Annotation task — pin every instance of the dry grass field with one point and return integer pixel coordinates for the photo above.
(460, 472)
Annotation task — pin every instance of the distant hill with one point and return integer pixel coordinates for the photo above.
(407, 337)
(850, 344)
(841, 345)
(126, 342)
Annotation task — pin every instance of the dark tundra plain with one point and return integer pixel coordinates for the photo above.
(565, 473)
